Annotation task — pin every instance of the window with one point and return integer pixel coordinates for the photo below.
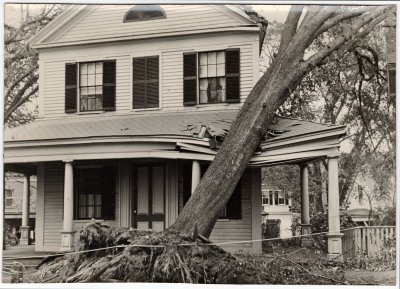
(90, 86)
(275, 197)
(144, 12)
(215, 73)
(9, 194)
(145, 82)
(265, 199)
(95, 193)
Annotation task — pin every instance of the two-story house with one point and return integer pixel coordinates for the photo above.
(134, 102)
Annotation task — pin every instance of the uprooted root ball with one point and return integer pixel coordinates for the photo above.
(151, 257)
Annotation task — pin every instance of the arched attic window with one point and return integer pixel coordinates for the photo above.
(144, 12)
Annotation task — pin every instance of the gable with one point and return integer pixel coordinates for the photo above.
(106, 22)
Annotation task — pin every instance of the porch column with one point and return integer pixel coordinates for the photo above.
(305, 205)
(196, 174)
(24, 240)
(334, 236)
(67, 233)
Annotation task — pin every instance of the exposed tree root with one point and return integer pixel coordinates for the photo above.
(200, 262)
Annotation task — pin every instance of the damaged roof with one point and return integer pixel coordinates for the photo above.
(182, 124)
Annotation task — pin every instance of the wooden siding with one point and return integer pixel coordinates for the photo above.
(53, 208)
(107, 21)
(170, 51)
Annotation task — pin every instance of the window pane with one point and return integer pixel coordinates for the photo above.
(91, 68)
(221, 83)
(84, 91)
(84, 104)
(212, 58)
(90, 212)
(99, 90)
(99, 102)
(83, 68)
(98, 212)
(203, 58)
(203, 96)
(92, 90)
(91, 79)
(221, 95)
(203, 71)
(221, 57)
(83, 80)
(221, 70)
(99, 79)
(203, 84)
(212, 96)
(212, 70)
(99, 67)
(82, 213)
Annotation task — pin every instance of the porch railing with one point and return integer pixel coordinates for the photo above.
(366, 239)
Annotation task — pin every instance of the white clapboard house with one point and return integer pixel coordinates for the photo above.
(134, 102)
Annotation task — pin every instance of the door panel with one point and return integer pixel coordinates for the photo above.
(142, 190)
(149, 212)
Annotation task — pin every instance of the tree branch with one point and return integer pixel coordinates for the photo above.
(16, 82)
(290, 27)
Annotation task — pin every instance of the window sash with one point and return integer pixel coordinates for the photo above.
(90, 86)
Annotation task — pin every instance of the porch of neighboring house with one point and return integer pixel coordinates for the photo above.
(146, 179)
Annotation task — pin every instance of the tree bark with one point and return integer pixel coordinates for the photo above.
(256, 114)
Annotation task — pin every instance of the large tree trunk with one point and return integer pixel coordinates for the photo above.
(256, 114)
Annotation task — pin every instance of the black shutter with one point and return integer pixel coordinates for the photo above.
(190, 79)
(70, 87)
(108, 196)
(152, 80)
(232, 67)
(139, 93)
(109, 84)
(234, 206)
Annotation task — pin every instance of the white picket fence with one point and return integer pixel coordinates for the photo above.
(366, 239)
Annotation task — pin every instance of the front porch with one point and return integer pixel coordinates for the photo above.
(150, 177)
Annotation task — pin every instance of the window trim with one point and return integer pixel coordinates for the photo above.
(78, 94)
(76, 193)
(197, 52)
(160, 102)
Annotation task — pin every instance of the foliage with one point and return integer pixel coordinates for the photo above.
(271, 229)
(21, 66)
(384, 260)
(196, 262)
(387, 216)
(11, 238)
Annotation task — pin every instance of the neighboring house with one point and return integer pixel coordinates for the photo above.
(277, 206)
(361, 202)
(133, 101)
(13, 190)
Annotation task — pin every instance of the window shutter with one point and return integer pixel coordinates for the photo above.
(234, 206)
(190, 79)
(70, 87)
(109, 84)
(108, 196)
(232, 75)
(139, 93)
(152, 78)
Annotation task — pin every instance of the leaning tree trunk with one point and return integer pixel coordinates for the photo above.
(256, 114)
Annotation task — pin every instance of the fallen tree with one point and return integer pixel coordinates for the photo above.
(286, 71)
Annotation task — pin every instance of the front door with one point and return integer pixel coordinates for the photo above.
(149, 210)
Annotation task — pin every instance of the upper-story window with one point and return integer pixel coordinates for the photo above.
(90, 86)
(145, 82)
(211, 77)
(144, 12)
(275, 197)
(9, 198)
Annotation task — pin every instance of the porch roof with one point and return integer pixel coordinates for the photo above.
(182, 124)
